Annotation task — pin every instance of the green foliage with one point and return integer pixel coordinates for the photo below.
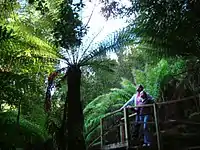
(26, 133)
(54, 120)
(34, 112)
(161, 28)
(28, 55)
(153, 76)
(93, 115)
(69, 29)
(97, 78)
(26, 59)
(7, 9)
(180, 38)
(104, 104)
(25, 48)
(5, 34)
(12, 85)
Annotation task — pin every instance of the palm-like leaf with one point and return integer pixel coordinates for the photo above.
(25, 46)
(163, 28)
(22, 57)
(114, 42)
(104, 64)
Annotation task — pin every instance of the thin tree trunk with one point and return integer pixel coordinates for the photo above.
(63, 128)
(19, 111)
(18, 117)
(75, 117)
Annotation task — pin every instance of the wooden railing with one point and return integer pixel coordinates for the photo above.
(124, 124)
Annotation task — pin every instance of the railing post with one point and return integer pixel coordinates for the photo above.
(102, 140)
(199, 102)
(121, 133)
(126, 125)
(155, 108)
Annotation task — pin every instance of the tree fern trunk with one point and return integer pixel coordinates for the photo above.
(75, 113)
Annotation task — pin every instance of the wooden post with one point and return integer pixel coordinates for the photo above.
(199, 102)
(122, 133)
(126, 125)
(155, 108)
(101, 126)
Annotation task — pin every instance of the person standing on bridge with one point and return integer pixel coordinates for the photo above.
(143, 114)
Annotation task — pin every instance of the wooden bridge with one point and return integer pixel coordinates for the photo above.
(172, 126)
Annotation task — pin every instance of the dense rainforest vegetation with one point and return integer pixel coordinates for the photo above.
(159, 48)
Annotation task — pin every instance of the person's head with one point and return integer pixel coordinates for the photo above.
(143, 95)
(139, 88)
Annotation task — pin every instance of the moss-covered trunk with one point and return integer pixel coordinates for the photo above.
(75, 113)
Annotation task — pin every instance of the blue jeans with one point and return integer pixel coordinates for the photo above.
(144, 118)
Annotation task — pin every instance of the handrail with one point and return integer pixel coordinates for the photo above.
(175, 101)
(155, 107)
(150, 105)
(111, 113)
(96, 139)
(129, 116)
(194, 147)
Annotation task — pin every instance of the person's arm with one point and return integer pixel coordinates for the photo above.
(146, 99)
(130, 102)
(149, 97)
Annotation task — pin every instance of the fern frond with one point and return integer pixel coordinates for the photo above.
(28, 130)
(104, 64)
(114, 42)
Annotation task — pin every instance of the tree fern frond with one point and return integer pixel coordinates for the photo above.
(29, 132)
(114, 42)
(105, 64)
(127, 84)
(5, 33)
(36, 45)
(92, 134)
(13, 86)
(24, 47)
(121, 93)
(84, 54)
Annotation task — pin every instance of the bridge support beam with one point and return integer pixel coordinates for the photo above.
(121, 128)
(156, 117)
(126, 125)
(102, 138)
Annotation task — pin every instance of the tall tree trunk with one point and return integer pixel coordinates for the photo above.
(75, 117)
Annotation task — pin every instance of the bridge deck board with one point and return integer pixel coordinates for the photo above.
(115, 146)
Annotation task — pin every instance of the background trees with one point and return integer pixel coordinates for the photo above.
(159, 48)
(26, 59)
